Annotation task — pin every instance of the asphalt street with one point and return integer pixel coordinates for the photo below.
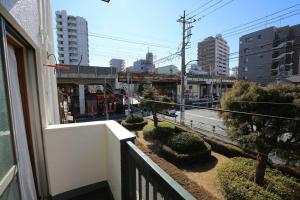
(206, 121)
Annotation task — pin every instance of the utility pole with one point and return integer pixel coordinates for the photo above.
(105, 100)
(182, 108)
(186, 34)
(211, 86)
(128, 90)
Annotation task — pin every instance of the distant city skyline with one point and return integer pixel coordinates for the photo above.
(126, 29)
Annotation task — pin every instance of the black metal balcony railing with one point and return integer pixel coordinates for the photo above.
(143, 179)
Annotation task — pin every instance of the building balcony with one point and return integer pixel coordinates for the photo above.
(72, 33)
(278, 56)
(281, 44)
(60, 45)
(73, 39)
(100, 158)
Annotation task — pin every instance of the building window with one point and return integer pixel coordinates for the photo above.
(246, 60)
(190, 87)
(261, 56)
(259, 36)
(245, 77)
(249, 39)
(245, 68)
(246, 50)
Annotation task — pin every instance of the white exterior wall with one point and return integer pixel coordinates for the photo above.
(32, 20)
(82, 39)
(81, 154)
(70, 30)
(169, 70)
(222, 57)
(35, 23)
(117, 63)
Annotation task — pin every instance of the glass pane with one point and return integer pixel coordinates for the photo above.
(6, 151)
(12, 192)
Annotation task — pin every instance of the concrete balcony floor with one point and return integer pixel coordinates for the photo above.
(100, 194)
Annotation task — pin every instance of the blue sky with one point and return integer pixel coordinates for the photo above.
(153, 23)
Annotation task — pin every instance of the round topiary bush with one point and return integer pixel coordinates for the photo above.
(186, 148)
(160, 133)
(187, 143)
(134, 122)
(236, 178)
(132, 119)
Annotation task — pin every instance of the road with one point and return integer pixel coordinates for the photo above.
(206, 121)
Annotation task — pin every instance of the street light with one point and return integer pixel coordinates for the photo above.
(107, 1)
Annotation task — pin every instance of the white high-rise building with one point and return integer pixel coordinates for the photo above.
(117, 63)
(72, 39)
(213, 55)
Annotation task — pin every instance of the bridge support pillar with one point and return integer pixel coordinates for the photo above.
(82, 99)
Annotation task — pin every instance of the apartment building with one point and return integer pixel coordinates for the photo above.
(213, 55)
(144, 65)
(117, 63)
(72, 39)
(41, 159)
(269, 55)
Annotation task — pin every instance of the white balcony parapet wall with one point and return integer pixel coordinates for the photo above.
(81, 154)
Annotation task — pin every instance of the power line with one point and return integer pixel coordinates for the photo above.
(119, 39)
(203, 5)
(255, 26)
(256, 53)
(261, 18)
(205, 15)
(213, 5)
(265, 102)
(220, 135)
(224, 110)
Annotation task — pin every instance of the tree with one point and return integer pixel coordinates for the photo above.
(151, 95)
(140, 89)
(265, 134)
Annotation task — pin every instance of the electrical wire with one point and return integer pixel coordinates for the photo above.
(119, 39)
(261, 18)
(266, 102)
(224, 110)
(246, 30)
(220, 135)
(214, 10)
(211, 6)
(203, 5)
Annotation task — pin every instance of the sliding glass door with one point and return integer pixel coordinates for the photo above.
(9, 186)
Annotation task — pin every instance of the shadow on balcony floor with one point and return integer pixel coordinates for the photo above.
(100, 194)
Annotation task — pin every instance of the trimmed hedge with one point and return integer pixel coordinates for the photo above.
(177, 146)
(236, 178)
(132, 119)
(160, 133)
(134, 122)
(184, 158)
(186, 143)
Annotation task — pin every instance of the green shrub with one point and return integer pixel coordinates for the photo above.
(132, 119)
(186, 142)
(134, 122)
(161, 133)
(236, 178)
(184, 158)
